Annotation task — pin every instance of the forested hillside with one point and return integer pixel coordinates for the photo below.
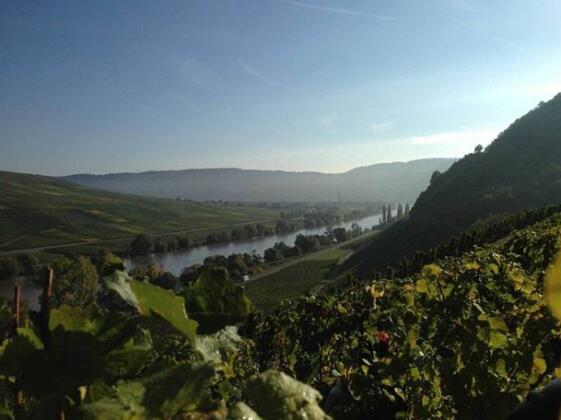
(521, 169)
(386, 182)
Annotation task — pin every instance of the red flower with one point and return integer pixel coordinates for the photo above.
(383, 338)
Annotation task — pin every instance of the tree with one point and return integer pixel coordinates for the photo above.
(9, 269)
(478, 148)
(159, 247)
(236, 262)
(307, 243)
(29, 263)
(295, 251)
(166, 281)
(434, 176)
(407, 209)
(282, 226)
(190, 274)
(107, 263)
(75, 281)
(356, 230)
(216, 238)
(146, 272)
(384, 215)
(399, 211)
(184, 243)
(340, 234)
(215, 261)
(283, 248)
(272, 254)
(141, 245)
(389, 214)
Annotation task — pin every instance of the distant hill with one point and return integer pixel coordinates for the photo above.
(519, 170)
(38, 211)
(389, 182)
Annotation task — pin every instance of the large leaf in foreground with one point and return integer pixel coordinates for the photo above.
(165, 304)
(275, 395)
(215, 301)
(152, 300)
(180, 389)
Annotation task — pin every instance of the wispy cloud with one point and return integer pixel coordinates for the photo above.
(382, 127)
(474, 137)
(329, 9)
(256, 74)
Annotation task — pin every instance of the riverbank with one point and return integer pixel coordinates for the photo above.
(309, 273)
(175, 262)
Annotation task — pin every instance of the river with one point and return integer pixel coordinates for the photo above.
(176, 261)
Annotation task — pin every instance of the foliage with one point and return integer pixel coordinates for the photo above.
(77, 281)
(278, 396)
(91, 363)
(292, 281)
(149, 300)
(29, 263)
(466, 337)
(107, 263)
(9, 269)
(141, 245)
(214, 301)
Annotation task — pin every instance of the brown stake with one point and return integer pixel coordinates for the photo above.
(48, 285)
(18, 395)
(16, 307)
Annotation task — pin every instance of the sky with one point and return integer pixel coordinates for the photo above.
(323, 85)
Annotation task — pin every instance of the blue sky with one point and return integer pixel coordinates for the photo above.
(328, 85)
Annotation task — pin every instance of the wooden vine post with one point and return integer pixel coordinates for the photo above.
(47, 293)
(18, 395)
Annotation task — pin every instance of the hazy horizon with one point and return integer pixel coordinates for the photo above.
(256, 169)
(310, 85)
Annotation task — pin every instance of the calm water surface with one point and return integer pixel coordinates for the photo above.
(175, 262)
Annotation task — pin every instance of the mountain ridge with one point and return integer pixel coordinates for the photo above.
(236, 184)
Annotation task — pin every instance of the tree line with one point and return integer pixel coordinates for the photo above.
(402, 211)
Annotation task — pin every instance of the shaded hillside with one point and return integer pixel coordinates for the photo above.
(37, 211)
(389, 182)
(520, 169)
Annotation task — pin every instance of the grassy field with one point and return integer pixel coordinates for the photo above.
(294, 280)
(38, 211)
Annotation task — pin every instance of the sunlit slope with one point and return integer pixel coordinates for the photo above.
(38, 211)
(464, 336)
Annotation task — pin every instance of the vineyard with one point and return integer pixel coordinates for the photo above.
(467, 335)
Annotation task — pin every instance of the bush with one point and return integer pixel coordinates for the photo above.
(9, 269)
(272, 254)
(141, 245)
(29, 263)
(75, 282)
